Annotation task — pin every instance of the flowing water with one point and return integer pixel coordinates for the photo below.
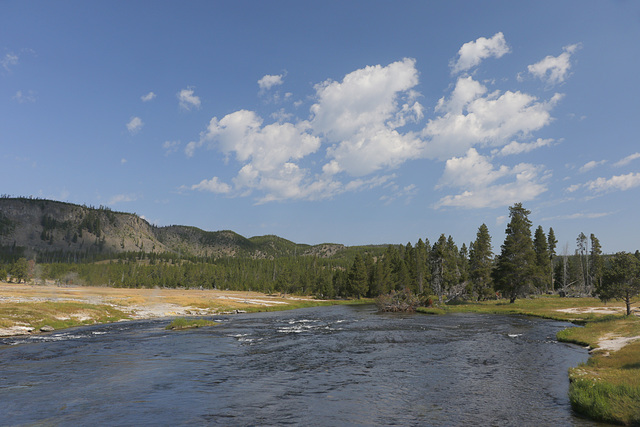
(324, 366)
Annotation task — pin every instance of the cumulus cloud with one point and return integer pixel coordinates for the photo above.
(134, 125)
(472, 53)
(515, 147)
(590, 165)
(473, 116)
(267, 147)
(369, 122)
(267, 152)
(482, 185)
(361, 114)
(618, 182)
(148, 97)
(554, 69)
(269, 81)
(187, 100)
(213, 185)
(627, 160)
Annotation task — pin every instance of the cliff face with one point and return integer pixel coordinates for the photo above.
(50, 226)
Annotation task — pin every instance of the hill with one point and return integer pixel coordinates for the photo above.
(45, 227)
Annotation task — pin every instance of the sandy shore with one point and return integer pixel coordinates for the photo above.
(136, 303)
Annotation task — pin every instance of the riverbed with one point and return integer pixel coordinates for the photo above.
(324, 366)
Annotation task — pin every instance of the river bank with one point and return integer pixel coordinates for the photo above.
(25, 309)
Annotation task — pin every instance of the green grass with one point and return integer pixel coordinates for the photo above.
(183, 323)
(295, 304)
(58, 315)
(607, 387)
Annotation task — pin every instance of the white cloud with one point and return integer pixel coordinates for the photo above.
(9, 60)
(266, 147)
(480, 185)
(123, 161)
(134, 125)
(365, 97)
(187, 100)
(472, 53)
(171, 147)
(618, 182)
(360, 115)
(148, 97)
(554, 69)
(515, 147)
(267, 153)
(122, 198)
(580, 215)
(370, 121)
(269, 81)
(25, 98)
(627, 160)
(212, 185)
(474, 117)
(590, 165)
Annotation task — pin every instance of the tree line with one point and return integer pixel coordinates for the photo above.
(526, 264)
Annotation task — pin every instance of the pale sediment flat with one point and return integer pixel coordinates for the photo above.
(138, 303)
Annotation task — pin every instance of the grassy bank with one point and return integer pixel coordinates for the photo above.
(607, 387)
(58, 315)
(182, 323)
(26, 308)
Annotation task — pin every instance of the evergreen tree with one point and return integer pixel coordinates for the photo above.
(438, 266)
(621, 279)
(481, 263)
(444, 266)
(463, 268)
(516, 264)
(421, 264)
(410, 263)
(541, 247)
(551, 244)
(358, 279)
(583, 250)
(18, 270)
(596, 263)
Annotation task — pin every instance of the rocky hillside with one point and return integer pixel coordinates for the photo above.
(45, 226)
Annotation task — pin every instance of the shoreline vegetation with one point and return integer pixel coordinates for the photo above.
(604, 389)
(28, 309)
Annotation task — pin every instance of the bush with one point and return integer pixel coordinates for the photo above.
(401, 301)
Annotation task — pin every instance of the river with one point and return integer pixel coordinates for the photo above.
(322, 366)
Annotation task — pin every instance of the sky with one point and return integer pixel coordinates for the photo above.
(354, 122)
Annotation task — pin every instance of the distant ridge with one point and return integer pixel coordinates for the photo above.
(38, 226)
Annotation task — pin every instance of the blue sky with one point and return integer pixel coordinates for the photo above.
(353, 122)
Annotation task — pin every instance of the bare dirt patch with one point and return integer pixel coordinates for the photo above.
(610, 342)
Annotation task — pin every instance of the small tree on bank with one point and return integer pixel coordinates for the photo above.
(516, 264)
(621, 279)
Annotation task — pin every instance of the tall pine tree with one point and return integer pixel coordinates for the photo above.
(543, 268)
(516, 264)
(481, 263)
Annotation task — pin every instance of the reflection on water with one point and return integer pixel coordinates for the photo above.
(320, 366)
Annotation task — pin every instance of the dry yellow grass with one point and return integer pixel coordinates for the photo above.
(24, 307)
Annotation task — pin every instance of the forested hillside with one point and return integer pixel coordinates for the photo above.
(71, 244)
(51, 231)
